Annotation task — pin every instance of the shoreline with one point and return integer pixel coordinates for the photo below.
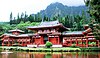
(62, 49)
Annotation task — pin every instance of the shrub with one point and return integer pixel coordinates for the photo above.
(93, 43)
(48, 44)
(74, 46)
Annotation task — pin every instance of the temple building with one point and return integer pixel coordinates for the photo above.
(48, 31)
(15, 38)
(53, 32)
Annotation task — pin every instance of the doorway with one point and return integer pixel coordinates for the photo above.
(45, 39)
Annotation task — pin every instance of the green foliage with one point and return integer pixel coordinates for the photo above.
(5, 27)
(93, 43)
(48, 44)
(70, 20)
(94, 11)
(74, 46)
(93, 49)
(57, 11)
(23, 25)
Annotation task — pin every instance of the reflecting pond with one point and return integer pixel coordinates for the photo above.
(18, 54)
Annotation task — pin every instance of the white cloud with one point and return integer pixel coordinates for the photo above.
(30, 6)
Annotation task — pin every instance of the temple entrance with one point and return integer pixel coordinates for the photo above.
(45, 39)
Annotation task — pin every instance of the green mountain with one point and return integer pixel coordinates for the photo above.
(62, 10)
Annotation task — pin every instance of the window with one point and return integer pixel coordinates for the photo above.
(39, 31)
(53, 30)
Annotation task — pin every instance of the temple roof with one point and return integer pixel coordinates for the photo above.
(15, 30)
(21, 35)
(48, 25)
(87, 31)
(73, 33)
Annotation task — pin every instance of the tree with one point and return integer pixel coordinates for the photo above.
(11, 17)
(77, 25)
(31, 18)
(45, 18)
(39, 17)
(48, 44)
(23, 25)
(25, 17)
(94, 11)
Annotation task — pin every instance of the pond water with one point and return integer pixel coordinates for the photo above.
(17, 54)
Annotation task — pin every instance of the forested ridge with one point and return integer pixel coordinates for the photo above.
(73, 17)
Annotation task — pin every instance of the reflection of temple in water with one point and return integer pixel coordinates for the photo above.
(51, 55)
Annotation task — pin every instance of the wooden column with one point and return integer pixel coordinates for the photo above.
(76, 42)
(86, 42)
(70, 40)
(54, 41)
(3, 43)
(82, 41)
(25, 40)
(48, 38)
(8, 42)
(58, 39)
(43, 39)
(12, 42)
(22, 43)
(34, 40)
(98, 42)
(29, 41)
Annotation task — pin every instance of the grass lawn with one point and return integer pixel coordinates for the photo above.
(42, 49)
(62, 49)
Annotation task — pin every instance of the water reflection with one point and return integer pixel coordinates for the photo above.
(51, 55)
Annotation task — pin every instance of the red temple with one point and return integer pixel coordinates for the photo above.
(52, 31)
(15, 38)
(48, 31)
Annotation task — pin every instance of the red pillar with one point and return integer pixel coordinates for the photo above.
(48, 38)
(58, 40)
(76, 42)
(70, 41)
(82, 42)
(43, 39)
(8, 42)
(55, 41)
(11, 42)
(98, 42)
(22, 43)
(26, 42)
(34, 40)
(3, 43)
(86, 42)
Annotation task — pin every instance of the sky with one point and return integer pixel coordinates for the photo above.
(30, 6)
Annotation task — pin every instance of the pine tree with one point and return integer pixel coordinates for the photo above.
(11, 17)
(94, 11)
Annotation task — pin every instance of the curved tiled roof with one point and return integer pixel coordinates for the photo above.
(49, 24)
(21, 35)
(15, 30)
(73, 33)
